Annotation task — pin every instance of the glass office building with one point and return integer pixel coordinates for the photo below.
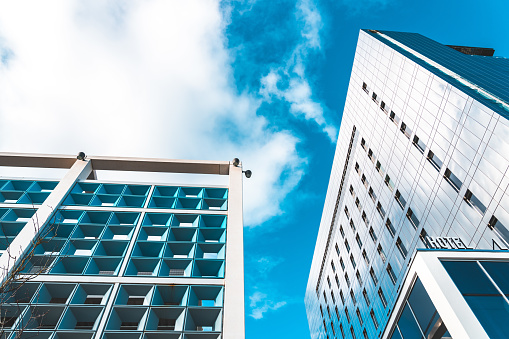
(84, 258)
(421, 161)
(453, 294)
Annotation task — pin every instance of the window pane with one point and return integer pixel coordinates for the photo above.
(408, 326)
(499, 272)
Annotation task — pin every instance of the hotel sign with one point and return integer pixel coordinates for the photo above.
(447, 243)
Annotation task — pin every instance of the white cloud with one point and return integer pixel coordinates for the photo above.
(289, 82)
(260, 304)
(139, 78)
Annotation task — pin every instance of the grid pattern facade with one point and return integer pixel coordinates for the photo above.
(117, 260)
(429, 158)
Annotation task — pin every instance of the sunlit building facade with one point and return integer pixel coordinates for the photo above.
(421, 162)
(84, 258)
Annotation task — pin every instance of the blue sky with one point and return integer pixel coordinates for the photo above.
(262, 80)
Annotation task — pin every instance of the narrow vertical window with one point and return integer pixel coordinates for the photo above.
(390, 227)
(366, 298)
(421, 146)
(365, 87)
(452, 180)
(401, 248)
(399, 198)
(391, 274)
(434, 160)
(352, 295)
(372, 234)
(412, 218)
(373, 317)
(358, 312)
(373, 276)
(382, 297)
(365, 257)
(381, 253)
(359, 242)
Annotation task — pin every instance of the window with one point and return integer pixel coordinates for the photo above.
(353, 297)
(452, 180)
(405, 130)
(371, 156)
(434, 160)
(365, 87)
(366, 298)
(359, 316)
(421, 146)
(374, 97)
(394, 118)
(390, 227)
(341, 329)
(328, 282)
(328, 310)
(325, 296)
(337, 312)
(347, 213)
(365, 334)
(373, 317)
(347, 314)
(372, 194)
(372, 234)
(422, 237)
(333, 266)
(363, 144)
(412, 217)
(337, 248)
(381, 252)
(347, 279)
(380, 210)
(347, 245)
(352, 192)
(401, 248)
(332, 328)
(391, 273)
(382, 297)
(499, 228)
(359, 279)
(359, 242)
(474, 202)
(352, 260)
(379, 168)
(365, 218)
(337, 280)
(365, 256)
(342, 296)
(382, 106)
(357, 168)
(352, 332)
(364, 181)
(352, 225)
(342, 231)
(373, 276)
(358, 203)
(399, 198)
(389, 182)
(342, 263)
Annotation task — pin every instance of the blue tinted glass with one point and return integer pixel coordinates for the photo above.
(493, 314)
(469, 277)
(499, 272)
(396, 334)
(422, 306)
(408, 326)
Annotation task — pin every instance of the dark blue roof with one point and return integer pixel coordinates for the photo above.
(489, 73)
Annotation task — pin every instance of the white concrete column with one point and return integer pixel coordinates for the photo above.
(233, 318)
(80, 170)
(452, 307)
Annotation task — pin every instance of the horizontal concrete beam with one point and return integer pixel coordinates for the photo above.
(117, 163)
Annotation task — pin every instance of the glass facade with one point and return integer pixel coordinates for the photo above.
(423, 152)
(116, 261)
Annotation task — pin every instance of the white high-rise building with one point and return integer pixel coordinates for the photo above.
(421, 162)
(84, 258)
